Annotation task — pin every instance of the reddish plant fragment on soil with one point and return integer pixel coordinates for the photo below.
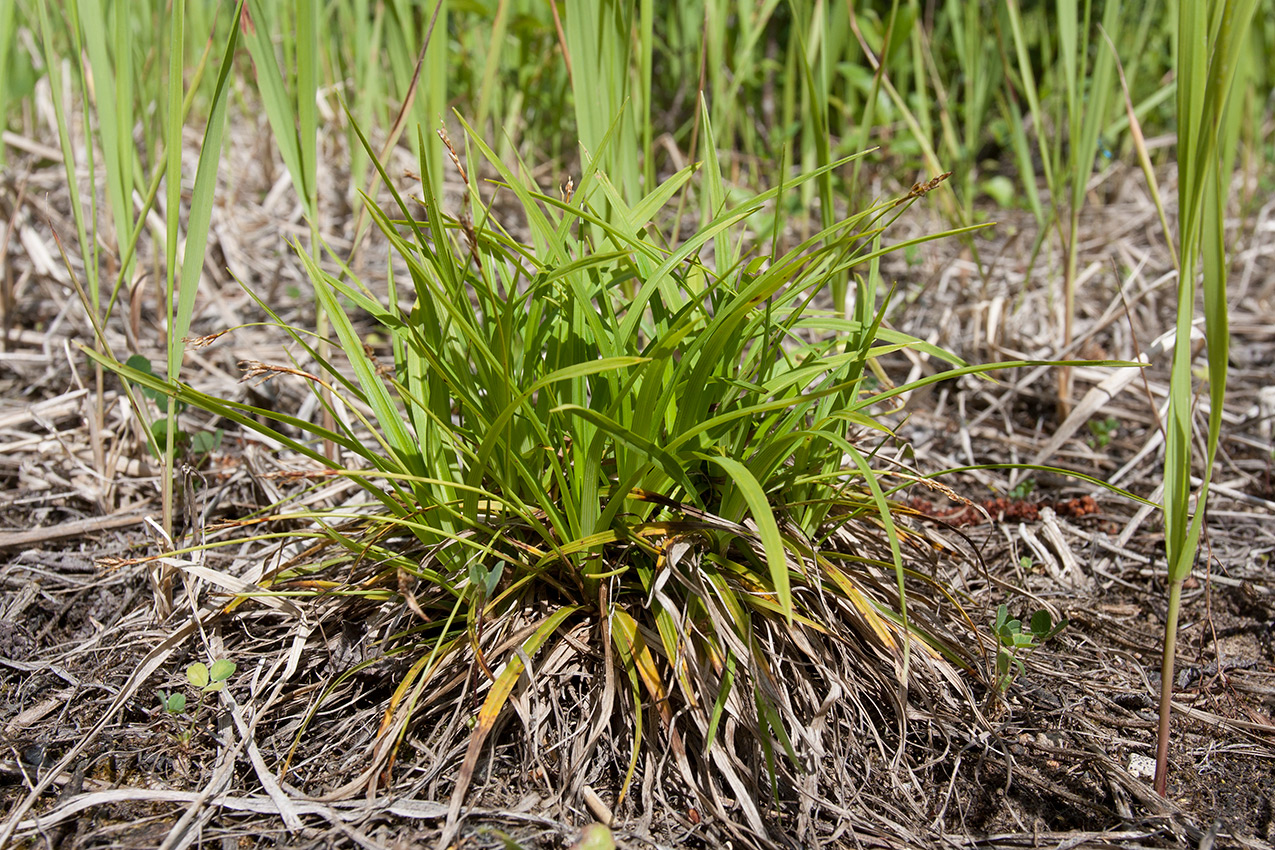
(1002, 509)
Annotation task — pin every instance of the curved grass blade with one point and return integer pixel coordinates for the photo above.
(767, 528)
(494, 704)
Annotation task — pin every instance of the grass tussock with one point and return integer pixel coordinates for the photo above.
(633, 496)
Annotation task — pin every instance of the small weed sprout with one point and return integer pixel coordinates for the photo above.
(1014, 645)
(1102, 431)
(208, 680)
(197, 445)
(1022, 489)
(173, 704)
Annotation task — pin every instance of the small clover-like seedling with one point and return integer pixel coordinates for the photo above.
(206, 442)
(173, 704)
(210, 680)
(198, 444)
(1043, 626)
(1013, 640)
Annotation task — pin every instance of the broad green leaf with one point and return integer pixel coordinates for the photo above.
(767, 528)
(197, 674)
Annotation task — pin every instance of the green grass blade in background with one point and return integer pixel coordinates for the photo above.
(1089, 98)
(307, 59)
(201, 202)
(114, 111)
(172, 134)
(8, 61)
(279, 107)
(598, 42)
(1211, 38)
(491, 66)
(60, 108)
(810, 27)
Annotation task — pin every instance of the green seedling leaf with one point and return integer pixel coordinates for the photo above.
(143, 365)
(1022, 489)
(206, 442)
(1041, 624)
(222, 669)
(159, 430)
(1006, 629)
(197, 674)
(1102, 431)
(174, 703)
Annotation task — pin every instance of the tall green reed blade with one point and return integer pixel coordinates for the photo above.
(643, 106)
(88, 249)
(199, 219)
(77, 27)
(8, 38)
(1085, 120)
(307, 61)
(172, 214)
(355, 40)
(113, 82)
(1078, 118)
(1211, 38)
(281, 110)
(174, 114)
(307, 58)
(598, 40)
(809, 28)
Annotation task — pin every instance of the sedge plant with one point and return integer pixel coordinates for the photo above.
(645, 454)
